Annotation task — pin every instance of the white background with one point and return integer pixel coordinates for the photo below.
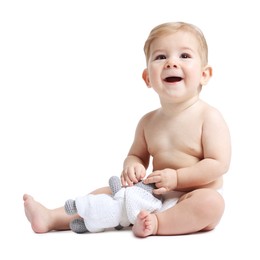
(71, 94)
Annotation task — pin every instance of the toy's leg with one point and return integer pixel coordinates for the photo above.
(119, 227)
(70, 207)
(114, 184)
(78, 225)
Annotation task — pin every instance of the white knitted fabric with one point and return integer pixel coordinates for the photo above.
(120, 196)
(103, 211)
(99, 211)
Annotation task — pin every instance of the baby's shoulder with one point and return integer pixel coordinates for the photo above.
(150, 115)
(208, 110)
(211, 113)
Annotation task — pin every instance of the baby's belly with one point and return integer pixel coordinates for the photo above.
(174, 161)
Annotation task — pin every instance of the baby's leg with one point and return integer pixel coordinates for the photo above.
(44, 220)
(199, 210)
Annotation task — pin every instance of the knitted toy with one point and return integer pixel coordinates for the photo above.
(119, 210)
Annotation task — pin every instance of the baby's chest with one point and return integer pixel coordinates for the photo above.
(186, 140)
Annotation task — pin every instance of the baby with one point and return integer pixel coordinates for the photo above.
(187, 139)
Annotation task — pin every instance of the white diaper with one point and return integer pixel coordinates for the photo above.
(171, 198)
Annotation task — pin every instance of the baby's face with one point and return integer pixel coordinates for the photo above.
(174, 66)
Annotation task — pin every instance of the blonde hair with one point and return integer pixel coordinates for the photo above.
(173, 27)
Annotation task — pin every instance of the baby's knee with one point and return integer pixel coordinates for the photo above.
(212, 206)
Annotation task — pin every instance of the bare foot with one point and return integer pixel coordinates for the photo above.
(37, 214)
(145, 225)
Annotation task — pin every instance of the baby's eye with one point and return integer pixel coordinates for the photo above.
(160, 57)
(185, 56)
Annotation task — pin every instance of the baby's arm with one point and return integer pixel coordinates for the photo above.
(217, 153)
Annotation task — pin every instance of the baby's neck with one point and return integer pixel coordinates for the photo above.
(172, 109)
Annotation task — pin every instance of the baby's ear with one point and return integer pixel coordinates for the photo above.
(145, 77)
(206, 75)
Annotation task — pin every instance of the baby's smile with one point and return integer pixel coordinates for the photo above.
(173, 79)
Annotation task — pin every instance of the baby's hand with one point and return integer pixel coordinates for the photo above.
(164, 180)
(133, 174)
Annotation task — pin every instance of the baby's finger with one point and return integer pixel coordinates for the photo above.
(132, 176)
(129, 176)
(140, 174)
(123, 181)
(159, 191)
(152, 179)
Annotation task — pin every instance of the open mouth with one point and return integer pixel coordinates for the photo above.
(173, 79)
